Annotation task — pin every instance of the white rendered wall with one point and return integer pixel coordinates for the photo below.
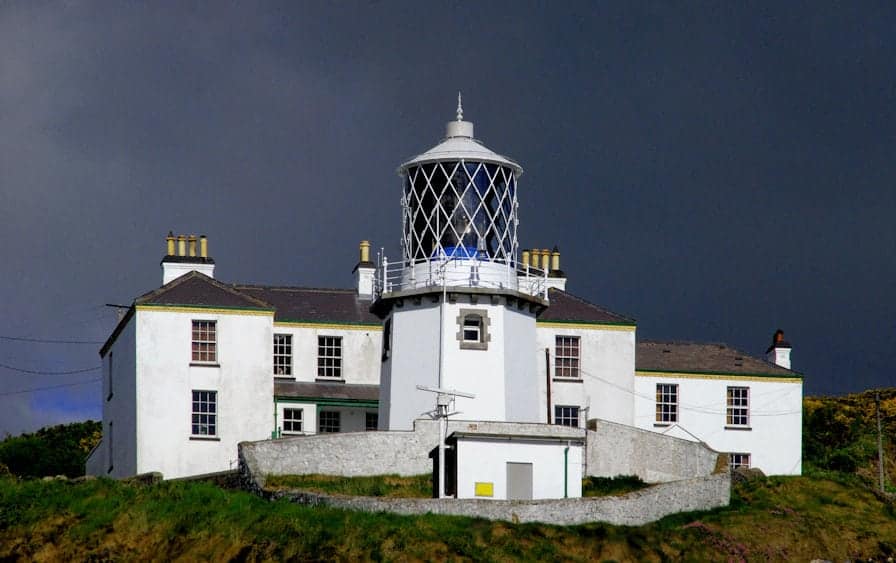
(165, 381)
(607, 369)
(119, 409)
(775, 424)
(361, 351)
(173, 270)
(414, 360)
(521, 398)
(486, 461)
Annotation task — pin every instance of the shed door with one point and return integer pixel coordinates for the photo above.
(519, 481)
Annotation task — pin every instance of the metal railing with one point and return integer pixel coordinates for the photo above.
(441, 272)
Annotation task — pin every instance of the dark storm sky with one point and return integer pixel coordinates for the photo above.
(716, 172)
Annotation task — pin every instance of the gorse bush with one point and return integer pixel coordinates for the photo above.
(54, 450)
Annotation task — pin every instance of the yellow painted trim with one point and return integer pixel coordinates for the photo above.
(484, 489)
(203, 310)
(716, 376)
(586, 326)
(335, 326)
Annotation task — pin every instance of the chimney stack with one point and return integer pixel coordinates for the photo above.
(779, 352)
(179, 260)
(364, 271)
(556, 277)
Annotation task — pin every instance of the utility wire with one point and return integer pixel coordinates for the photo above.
(49, 340)
(35, 389)
(38, 372)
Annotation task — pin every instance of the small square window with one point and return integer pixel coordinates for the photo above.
(292, 421)
(566, 357)
(472, 329)
(205, 413)
(736, 460)
(329, 356)
(328, 422)
(282, 354)
(566, 415)
(205, 341)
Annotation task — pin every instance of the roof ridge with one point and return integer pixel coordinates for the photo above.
(204, 278)
(248, 286)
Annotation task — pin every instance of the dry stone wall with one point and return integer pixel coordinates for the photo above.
(633, 509)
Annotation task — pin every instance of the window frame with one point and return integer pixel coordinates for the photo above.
(376, 419)
(567, 413)
(322, 415)
(283, 352)
(329, 343)
(740, 458)
(667, 396)
(737, 407)
(480, 316)
(292, 420)
(204, 342)
(567, 356)
(211, 416)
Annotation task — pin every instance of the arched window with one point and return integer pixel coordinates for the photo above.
(472, 329)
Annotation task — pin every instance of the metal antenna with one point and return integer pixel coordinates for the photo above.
(444, 399)
(460, 107)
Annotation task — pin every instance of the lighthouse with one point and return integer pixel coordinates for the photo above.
(459, 308)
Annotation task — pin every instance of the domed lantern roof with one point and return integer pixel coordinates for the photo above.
(459, 144)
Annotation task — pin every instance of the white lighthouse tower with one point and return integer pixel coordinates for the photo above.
(459, 311)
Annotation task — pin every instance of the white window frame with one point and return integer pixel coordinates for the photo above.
(738, 459)
(289, 422)
(326, 419)
(567, 356)
(329, 357)
(737, 410)
(204, 423)
(204, 341)
(666, 404)
(282, 355)
(567, 415)
(472, 329)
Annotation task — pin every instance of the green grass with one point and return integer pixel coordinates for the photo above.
(606, 486)
(416, 486)
(795, 518)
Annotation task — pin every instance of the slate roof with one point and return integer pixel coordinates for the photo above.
(696, 357)
(335, 391)
(313, 304)
(566, 307)
(200, 290)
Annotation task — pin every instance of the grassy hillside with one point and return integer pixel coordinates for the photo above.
(802, 518)
(832, 512)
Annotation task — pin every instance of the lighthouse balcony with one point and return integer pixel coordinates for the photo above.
(459, 269)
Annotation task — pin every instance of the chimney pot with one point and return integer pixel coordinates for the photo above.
(192, 239)
(169, 240)
(525, 257)
(364, 249)
(203, 246)
(181, 245)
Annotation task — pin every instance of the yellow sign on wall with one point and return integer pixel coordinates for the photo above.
(485, 489)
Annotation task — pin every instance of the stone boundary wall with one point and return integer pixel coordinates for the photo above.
(617, 449)
(612, 449)
(633, 509)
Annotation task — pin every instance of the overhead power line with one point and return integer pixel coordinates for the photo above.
(49, 340)
(35, 389)
(38, 372)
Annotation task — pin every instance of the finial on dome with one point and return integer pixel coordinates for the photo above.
(460, 107)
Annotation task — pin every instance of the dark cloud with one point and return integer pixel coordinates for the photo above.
(715, 172)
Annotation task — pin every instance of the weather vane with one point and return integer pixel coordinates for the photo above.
(460, 108)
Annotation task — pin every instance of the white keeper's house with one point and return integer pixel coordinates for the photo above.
(199, 365)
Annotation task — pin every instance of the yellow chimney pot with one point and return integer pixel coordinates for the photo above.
(555, 260)
(181, 245)
(525, 258)
(364, 248)
(203, 246)
(170, 243)
(192, 239)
